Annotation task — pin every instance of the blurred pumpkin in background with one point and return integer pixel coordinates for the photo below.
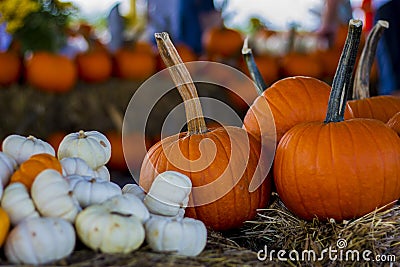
(51, 72)
(222, 42)
(10, 66)
(135, 62)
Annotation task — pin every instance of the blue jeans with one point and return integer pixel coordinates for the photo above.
(388, 51)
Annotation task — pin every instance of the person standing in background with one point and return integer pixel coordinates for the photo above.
(388, 51)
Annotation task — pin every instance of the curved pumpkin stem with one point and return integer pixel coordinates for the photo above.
(252, 67)
(181, 77)
(342, 80)
(361, 78)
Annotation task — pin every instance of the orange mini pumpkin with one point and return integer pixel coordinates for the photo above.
(28, 170)
(10, 65)
(94, 65)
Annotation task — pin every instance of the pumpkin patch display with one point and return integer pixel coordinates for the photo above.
(224, 175)
(28, 170)
(381, 107)
(7, 167)
(336, 168)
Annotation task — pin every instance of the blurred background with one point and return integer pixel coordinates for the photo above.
(71, 65)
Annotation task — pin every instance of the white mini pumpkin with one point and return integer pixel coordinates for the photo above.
(92, 146)
(102, 173)
(107, 231)
(135, 190)
(128, 204)
(7, 167)
(40, 241)
(22, 148)
(18, 204)
(91, 190)
(77, 166)
(186, 236)
(168, 193)
(52, 196)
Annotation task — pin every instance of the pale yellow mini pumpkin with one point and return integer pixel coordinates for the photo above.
(108, 231)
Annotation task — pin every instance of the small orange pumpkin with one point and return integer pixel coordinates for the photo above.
(51, 72)
(28, 170)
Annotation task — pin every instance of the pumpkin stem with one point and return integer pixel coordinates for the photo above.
(81, 134)
(342, 80)
(181, 77)
(252, 67)
(361, 78)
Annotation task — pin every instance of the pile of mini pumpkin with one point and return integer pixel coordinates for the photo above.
(49, 200)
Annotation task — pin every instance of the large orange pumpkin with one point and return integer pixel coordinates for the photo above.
(51, 72)
(221, 163)
(363, 106)
(28, 170)
(10, 68)
(340, 169)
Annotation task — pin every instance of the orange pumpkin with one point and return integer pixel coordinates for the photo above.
(4, 225)
(222, 42)
(215, 160)
(135, 63)
(94, 65)
(394, 123)
(28, 170)
(51, 72)
(340, 169)
(363, 106)
(10, 65)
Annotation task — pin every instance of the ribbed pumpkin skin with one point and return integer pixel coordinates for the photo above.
(394, 123)
(29, 169)
(238, 204)
(338, 170)
(51, 72)
(377, 107)
(292, 101)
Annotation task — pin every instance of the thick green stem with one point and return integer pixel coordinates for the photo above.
(183, 81)
(252, 67)
(342, 80)
(361, 78)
